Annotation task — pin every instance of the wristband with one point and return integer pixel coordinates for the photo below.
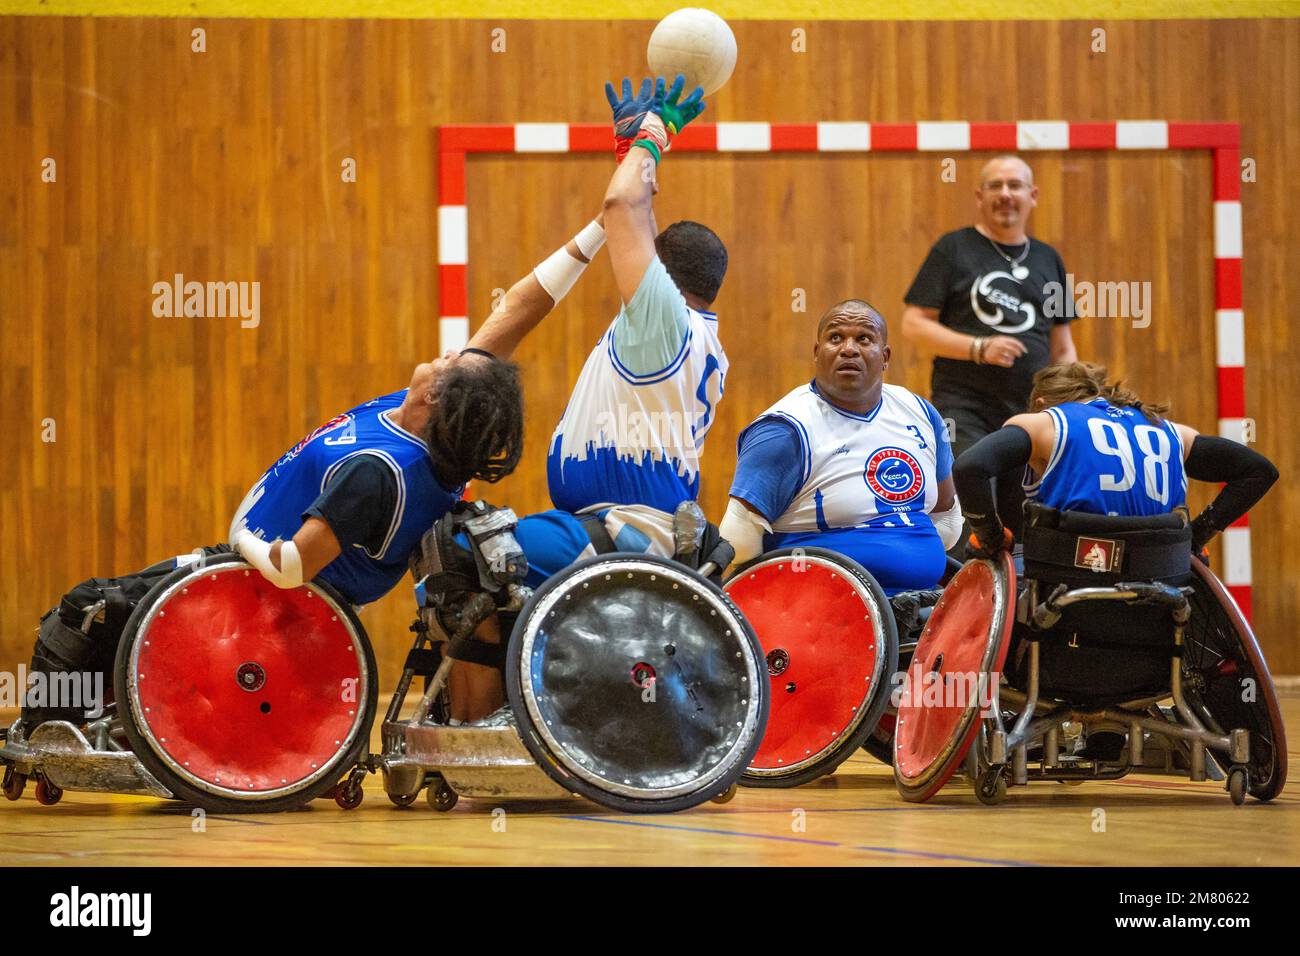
(651, 147)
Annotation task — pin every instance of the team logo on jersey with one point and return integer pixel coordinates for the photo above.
(894, 476)
(338, 421)
(994, 291)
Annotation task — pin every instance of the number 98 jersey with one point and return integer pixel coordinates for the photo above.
(1110, 460)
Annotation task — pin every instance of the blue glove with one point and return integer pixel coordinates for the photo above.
(669, 114)
(629, 111)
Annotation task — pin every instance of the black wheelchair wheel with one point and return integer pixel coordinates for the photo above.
(637, 683)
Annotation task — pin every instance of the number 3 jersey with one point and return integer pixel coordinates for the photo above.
(1110, 460)
(866, 483)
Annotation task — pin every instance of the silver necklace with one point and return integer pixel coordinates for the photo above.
(1018, 272)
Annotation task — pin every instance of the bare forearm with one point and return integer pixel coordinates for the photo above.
(522, 309)
(931, 336)
(1063, 349)
(632, 185)
(519, 311)
(629, 220)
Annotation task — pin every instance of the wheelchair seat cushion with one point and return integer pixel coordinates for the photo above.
(1080, 549)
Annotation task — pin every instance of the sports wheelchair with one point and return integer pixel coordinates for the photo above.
(1118, 652)
(632, 680)
(834, 644)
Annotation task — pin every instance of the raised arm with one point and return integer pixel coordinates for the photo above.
(532, 298)
(645, 123)
(629, 220)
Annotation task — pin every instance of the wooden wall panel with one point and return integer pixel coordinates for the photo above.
(225, 166)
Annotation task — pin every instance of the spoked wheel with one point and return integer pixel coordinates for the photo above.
(637, 684)
(831, 647)
(959, 656)
(1227, 683)
(240, 696)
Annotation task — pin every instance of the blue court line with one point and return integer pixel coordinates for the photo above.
(946, 856)
(792, 839)
(675, 826)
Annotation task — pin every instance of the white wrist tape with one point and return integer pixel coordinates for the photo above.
(590, 239)
(258, 553)
(744, 530)
(948, 524)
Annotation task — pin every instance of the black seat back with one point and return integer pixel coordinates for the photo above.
(1102, 652)
(1082, 550)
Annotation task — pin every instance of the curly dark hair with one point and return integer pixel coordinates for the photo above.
(476, 430)
(695, 258)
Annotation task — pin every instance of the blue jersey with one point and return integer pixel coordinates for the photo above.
(276, 505)
(1110, 460)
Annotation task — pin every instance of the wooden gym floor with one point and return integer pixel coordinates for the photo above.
(853, 818)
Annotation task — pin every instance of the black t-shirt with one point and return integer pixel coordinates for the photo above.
(359, 503)
(972, 286)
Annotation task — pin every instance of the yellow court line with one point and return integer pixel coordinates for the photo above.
(653, 9)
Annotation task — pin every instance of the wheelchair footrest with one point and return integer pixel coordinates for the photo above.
(66, 758)
(475, 761)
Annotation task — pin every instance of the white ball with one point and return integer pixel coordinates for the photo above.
(696, 43)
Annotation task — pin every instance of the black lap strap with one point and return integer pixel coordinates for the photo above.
(478, 652)
(598, 533)
(1107, 557)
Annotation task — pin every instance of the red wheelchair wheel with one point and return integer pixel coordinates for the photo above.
(239, 695)
(959, 656)
(831, 647)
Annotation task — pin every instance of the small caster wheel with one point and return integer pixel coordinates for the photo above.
(349, 795)
(403, 799)
(47, 794)
(441, 797)
(14, 782)
(991, 788)
(726, 796)
(1237, 785)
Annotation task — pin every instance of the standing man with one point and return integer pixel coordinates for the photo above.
(977, 304)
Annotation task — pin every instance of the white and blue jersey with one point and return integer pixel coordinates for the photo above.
(643, 404)
(278, 503)
(861, 485)
(1110, 460)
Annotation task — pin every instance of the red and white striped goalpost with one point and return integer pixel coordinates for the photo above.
(456, 142)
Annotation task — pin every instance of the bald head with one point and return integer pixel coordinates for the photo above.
(1000, 167)
(851, 355)
(852, 311)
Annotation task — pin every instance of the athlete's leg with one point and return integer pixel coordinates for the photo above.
(552, 540)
